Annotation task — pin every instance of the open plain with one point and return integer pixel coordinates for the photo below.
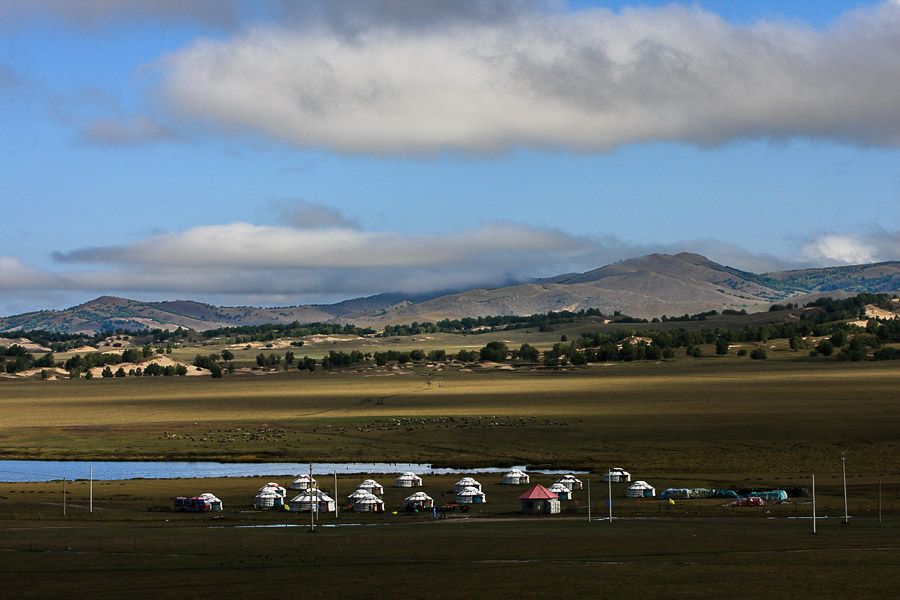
(710, 422)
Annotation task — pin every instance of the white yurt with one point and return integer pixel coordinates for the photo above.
(516, 477)
(466, 482)
(312, 500)
(368, 503)
(561, 491)
(214, 503)
(371, 486)
(408, 479)
(617, 475)
(270, 495)
(470, 495)
(418, 501)
(640, 489)
(570, 481)
(357, 494)
(303, 482)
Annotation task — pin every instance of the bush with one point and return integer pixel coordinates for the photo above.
(758, 354)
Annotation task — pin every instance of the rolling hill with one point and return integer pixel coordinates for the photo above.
(646, 286)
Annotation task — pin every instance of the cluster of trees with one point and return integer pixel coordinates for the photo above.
(15, 359)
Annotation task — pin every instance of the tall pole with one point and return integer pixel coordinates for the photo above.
(589, 500)
(64, 495)
(315, 501)
(844, 473)
(91, 504)
(879, 501)
(814, 501)
(609, 482)
(336, 503)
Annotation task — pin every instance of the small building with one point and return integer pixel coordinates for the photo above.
(570, 481)
(470, 495)
(214, 503)
(617, 475)
(367, 503)
(304, 482)
(640, 489)
(418, 501)
(408, 479)
(310, 500)
(539, 500)
(466, 482)
(270, 495)
(561, 491)
(516, 477)
(371, 486)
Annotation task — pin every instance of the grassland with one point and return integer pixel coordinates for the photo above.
(711, 422)
(697, 549)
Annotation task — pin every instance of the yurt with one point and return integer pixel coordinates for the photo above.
(516, 477)
(371, 486)
(418, 501)
(561, 491)
(303, 482)
(307, 501)
(408, 479)
(570, 481)
(466, 482)
(368, 503)
(640, 489)
(214, 503)
(539, 500)
(357, 494)
(470, 495)
(270, 495)
(617, 475)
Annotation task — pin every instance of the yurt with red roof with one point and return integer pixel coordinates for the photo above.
(539, 500)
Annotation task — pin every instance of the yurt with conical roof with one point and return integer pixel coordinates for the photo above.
(367, 503)
(303, 482)
(357, 494)
(516, 477)
(561, 491)
(312, 500)
(270, 495)
(539, 500)
(466, 482)
(617, 475)
(371, 486)
(418, 501)
(640, 489)
(408, 479)
(570, 481)
(470, 495)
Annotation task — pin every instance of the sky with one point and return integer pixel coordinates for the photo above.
(281, 152)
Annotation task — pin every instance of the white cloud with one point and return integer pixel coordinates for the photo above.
(16, 275)
(586, 81)
(244, 245)
(852, 248)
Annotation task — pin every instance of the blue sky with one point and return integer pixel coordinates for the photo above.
(279, 153)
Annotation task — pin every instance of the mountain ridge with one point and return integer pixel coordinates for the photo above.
(646, 286)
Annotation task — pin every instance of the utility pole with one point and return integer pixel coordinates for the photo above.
(814, 501)
(844, 473)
